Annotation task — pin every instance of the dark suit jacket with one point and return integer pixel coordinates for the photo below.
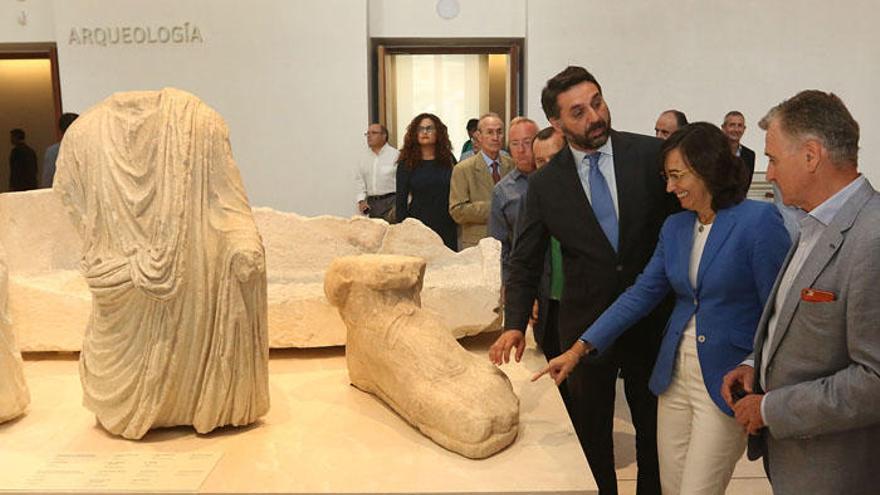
(748, 157)
(22, 168)
(595, 275)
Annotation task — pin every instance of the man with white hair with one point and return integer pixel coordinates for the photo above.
(470, 188)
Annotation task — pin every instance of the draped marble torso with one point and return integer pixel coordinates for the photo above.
(178, 331)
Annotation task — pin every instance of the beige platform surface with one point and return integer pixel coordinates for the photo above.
(321, 435)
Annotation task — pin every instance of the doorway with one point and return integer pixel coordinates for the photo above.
(456, 79)
(30, 99)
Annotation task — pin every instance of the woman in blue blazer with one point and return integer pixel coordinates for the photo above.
(720, 258)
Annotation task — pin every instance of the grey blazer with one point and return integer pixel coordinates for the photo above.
(822, 407)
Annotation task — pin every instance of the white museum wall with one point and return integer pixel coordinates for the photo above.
(706, 58)
(290, 78)
(39, 22)
(419, 19)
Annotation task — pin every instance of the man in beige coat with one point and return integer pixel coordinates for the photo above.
(470, 189)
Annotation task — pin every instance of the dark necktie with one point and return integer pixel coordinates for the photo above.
(495, 175)
(602, 202)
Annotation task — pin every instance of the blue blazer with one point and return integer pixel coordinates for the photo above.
(743, 254)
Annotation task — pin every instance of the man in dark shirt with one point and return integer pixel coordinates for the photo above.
(735, 126)
(22, 163)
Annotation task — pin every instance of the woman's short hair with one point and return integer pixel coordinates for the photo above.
(706, 150)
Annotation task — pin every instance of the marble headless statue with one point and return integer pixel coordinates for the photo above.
(174, 262)
(14, 396)
(406, 357)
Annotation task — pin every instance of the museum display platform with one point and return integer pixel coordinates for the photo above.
(321, 435)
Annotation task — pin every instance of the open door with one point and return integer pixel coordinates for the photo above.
(30, 99)
(456, 79)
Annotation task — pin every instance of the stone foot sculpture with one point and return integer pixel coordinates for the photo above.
(14, 396)
(406, 357)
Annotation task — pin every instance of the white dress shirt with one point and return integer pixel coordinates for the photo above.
(376, 174)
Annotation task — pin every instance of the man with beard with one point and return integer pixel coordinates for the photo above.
(603, 198)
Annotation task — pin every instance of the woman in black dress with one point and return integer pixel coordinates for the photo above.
(423, 171)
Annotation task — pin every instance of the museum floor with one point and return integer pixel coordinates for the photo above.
(321, 435)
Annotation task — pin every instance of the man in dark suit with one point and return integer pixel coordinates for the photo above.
(735, 126)
(22, 163)
(603, 199)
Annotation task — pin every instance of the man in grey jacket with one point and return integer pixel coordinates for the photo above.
(811, 396)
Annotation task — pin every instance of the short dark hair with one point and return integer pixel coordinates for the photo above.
(706, 150)
(681, 119)
(819, 115)
(382, 128)
(65, 120)
(734, 113)
(545, 133)
(17, 134)
(571, 76)
(472, 125)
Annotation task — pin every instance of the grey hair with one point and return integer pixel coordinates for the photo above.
(814, 114)
(487, 115)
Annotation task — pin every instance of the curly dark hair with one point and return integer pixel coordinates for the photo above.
(411, 153)
(706, 150)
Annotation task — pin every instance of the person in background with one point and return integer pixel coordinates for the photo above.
(507, 193)
(51, 154)
(424, 170)
(467, 149)
(470, 192)
(545, 312)
(669, 122)
(719, 258)
(22, 163)
(376, 175)
(547, 143)
(734, 127)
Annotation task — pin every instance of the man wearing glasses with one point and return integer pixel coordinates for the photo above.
(470, 189)
(375, 176)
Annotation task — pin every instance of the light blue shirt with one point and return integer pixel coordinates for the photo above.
(606, 167)
(49, 160)
(490, 161)
(504, 211)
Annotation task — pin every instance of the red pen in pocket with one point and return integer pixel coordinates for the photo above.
(810, 294)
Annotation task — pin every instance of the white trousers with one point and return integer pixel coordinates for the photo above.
(698, 445)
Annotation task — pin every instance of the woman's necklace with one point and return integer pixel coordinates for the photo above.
(705, 224)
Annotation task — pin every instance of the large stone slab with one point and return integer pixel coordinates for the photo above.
(14, 395)
(461, 289)
(49, 300)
